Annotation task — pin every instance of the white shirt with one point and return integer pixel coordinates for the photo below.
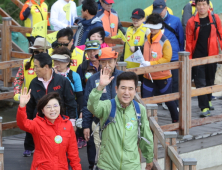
(58, 15)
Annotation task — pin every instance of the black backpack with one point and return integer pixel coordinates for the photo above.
(214, 23)
(69, 75)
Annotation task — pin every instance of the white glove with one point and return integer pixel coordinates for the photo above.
(146, 63)
(79, 123)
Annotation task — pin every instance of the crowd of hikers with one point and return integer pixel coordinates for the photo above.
(72, 95)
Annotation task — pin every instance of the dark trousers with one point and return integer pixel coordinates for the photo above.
(164, 87)
(175, 83)
(29, 143)
(91, 150)
(204, 76)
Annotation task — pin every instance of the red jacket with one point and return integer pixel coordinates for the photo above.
(49, 155)
(212, 40)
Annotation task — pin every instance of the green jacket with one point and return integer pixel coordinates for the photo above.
(119, 149)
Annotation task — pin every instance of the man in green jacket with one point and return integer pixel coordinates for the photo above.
(119, 146)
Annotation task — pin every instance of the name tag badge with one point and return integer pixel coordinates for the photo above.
(58, 139)
(129, 126)
(97, 82)
(154, 54)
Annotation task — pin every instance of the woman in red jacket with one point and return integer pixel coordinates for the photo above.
(52, 132)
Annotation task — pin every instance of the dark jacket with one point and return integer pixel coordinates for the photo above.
(85, 25)
(109, 93)
(176, 43)
(58, 84)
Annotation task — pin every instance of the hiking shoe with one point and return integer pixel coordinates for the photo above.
(28, 153)
(205, 112)
(211, 106)
(84, 143)
(164, 106)
(80, 143)
(213, 98)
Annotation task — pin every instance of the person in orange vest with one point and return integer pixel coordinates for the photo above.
(32, 12)
(157, 50)
(109, 17)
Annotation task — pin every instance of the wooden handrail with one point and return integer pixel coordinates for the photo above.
(9, 125)
(206, 90)
(18, 3)
(157, 130)
(206, 60)
(6, 95)
(194, 123)
(4, 14)
(155, 68)
(174, 156)
(161, 98)
(20, 55)
(11, 64)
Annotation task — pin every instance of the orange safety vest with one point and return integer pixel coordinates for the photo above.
(153, 52)
(110, 22)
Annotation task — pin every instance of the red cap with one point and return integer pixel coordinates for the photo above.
(109, 1)
(107, 53)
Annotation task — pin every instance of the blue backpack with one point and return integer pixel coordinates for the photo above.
(111, 118)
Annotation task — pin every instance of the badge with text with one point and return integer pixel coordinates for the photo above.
(58, 139)
(129, 126)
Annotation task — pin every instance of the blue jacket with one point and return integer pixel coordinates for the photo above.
(85, 25)
(109, 93)
(175, 23)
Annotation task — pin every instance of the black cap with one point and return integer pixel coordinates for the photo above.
(158, 6)
(138, 13)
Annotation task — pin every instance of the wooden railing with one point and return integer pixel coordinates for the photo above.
(172, 160)
(184, 95)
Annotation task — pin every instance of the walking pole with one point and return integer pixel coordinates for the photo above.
(151, 77)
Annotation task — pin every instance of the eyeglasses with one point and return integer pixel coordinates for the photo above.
(55, 106)
(61, 44)
(37, 52)
(95, 44)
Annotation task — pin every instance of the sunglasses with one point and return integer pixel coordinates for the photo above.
(95, 44)
(61, 44)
